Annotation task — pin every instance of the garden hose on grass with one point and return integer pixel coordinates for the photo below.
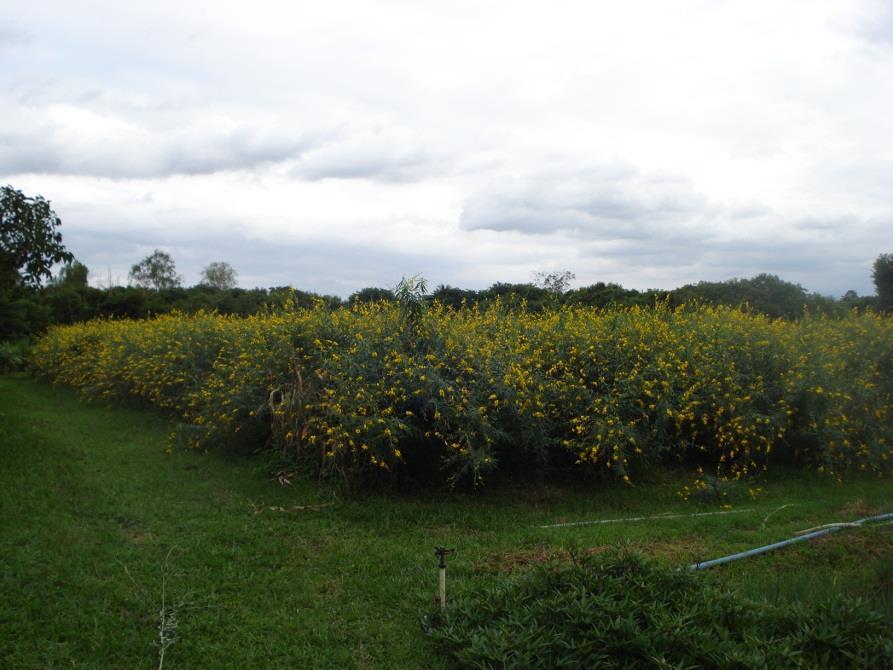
(656, 517)
(802, 536)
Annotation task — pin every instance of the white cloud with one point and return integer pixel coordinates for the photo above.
(75, 140)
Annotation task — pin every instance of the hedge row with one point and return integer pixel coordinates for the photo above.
(381, 393)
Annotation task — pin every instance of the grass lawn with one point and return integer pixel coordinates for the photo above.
(98, 522)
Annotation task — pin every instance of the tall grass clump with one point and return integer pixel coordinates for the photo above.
(404, 392)
(619, 611)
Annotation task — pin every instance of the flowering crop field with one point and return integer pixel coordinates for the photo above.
(375, 394)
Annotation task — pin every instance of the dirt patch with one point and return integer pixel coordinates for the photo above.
(867, 542)
(138, 536)
(512, 561)
(858, 509)
(680, 551)
(331, 587)
(223, 495)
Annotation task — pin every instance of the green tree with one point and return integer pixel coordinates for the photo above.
(454, 297)
(882, 274)
(67, 294)
(764, 293)
(156, 271)
(29, 240)
(603, 295)
(73, 274)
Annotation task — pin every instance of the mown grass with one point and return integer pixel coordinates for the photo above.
(92, 509)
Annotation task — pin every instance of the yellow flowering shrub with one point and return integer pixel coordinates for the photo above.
(461, 394)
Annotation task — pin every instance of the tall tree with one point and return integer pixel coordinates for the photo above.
(157, 271)
(883, 281)
(29, 240)
(219, 275)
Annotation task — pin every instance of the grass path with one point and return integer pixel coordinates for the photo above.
(93, 513)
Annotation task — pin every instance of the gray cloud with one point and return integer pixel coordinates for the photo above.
(390, 154)
(397, 167)
(612, 201)
(633, 224)
(12, 37)
(819, 255)
(876, 26)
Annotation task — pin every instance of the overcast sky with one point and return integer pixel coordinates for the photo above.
(337, 145)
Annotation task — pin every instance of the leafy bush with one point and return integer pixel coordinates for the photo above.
(394, 391)
(619, 611)
(12, 356)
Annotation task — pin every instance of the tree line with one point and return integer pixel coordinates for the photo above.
(32, 298)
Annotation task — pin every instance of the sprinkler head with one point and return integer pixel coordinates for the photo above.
(441, 553)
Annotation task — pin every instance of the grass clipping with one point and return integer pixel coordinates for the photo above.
(618, 610)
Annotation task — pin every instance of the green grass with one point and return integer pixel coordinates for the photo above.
(617, 610)
(93, 513)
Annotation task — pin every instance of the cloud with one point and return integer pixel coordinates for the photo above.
(384, 153)
(711, 140)
(875, 24)
(648, 229)
(609, 201)
(75, 140)
(119, 135)
(824, 255)
(10, 36)
(748, 210)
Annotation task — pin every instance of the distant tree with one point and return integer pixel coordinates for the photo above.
(67, 295)
(124, 301)
(602, 295)
(29, 241)
(882, 274)
(852, 300)
(556, 282)
(73, 274)
(370, 294)
(526, 296)
(156, 271)
(451, 296)
(219, 275)
(763, 293)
